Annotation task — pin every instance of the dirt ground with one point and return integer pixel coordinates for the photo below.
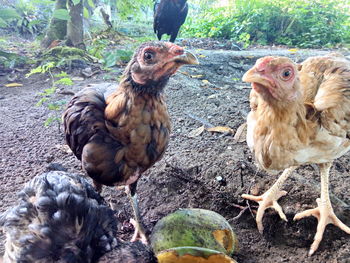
(209, 170)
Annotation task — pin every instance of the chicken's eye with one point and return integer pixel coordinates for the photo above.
(148, 56)
(287, 74)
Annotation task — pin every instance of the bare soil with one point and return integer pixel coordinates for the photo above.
(210, 170)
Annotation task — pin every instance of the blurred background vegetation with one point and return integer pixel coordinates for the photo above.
(300, 23)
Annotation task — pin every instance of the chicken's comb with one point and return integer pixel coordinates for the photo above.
(262, 62)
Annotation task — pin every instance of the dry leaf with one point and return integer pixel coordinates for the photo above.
(197, 76)
(241, 133)
(10, 85)
(77, 79)
(214, 96)
(221, 129)
(64, 148)
(196, 132)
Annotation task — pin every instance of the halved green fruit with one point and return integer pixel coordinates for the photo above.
(193, 235)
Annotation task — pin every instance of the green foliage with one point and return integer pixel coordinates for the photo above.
(302, 23)
(111, 58)
(64, 81)
(51, 120)
(130, 8)
(26, 17)
(47, 67)
(46, 95)
(108, 56)
(11, 60)
(75, 2)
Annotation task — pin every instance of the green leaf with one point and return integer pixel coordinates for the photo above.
(65, 81)
(86, 13)
(91, 3)
(9, 13)
(112, 57)
(50, 120)
(61, 75)
(40, 102)
(75, 2)
(53, 106)
(62, 14)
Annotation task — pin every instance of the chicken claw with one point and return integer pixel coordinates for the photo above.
(139, 233)
(270, 197)
(267, 200)
(325, 215)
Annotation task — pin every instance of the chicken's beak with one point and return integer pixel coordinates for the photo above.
(186, 58)
(253, 76)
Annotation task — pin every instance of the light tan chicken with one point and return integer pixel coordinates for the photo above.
(300, 114)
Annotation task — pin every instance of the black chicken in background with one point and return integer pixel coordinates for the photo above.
(59, 218)
(169, 15)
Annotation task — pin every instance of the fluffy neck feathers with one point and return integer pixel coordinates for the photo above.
(151, 87)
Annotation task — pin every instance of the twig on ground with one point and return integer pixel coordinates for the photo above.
(206, 123)
(243, 209)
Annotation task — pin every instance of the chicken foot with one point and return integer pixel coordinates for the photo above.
(270, 197)
(140, 232)
(324, 211)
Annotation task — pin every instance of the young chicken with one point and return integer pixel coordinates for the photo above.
(59, 218)
(120, 137)
(300, 114)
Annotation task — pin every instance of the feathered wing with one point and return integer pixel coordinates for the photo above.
(84, 117)
(331, 89)
(59, 216)
(88, 136)
(326, 84)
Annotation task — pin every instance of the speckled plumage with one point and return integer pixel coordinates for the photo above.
(119, 136)
(59, 218)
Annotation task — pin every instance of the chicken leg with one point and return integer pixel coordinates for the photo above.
(270, 197)
(140, 232)
(324, 212)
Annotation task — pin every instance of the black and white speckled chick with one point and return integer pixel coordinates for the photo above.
(59, 218)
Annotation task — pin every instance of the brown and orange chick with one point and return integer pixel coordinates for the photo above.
(118, 135)
(300, 114)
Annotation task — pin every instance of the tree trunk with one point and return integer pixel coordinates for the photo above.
(58, 28)
(75, 29)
